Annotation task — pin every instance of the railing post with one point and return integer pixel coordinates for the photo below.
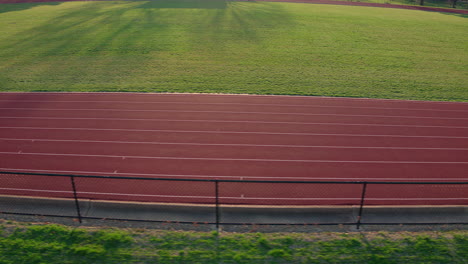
(363, 197)
(217, 204)
(75, 195)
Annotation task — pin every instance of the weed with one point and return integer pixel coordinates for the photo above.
(60, 244)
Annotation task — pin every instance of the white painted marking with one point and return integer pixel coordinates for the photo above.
(247, 177)
(104, 193)
(228, 121)
(229, 145)
(171, 94)
(224, 112)
(239, 198)
(229, 132)
(235, 159)
(228, 103)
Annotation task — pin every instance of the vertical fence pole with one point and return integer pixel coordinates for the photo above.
(217, 204)
(75, 195)
(363, 197)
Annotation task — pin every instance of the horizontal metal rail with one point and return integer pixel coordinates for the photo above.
(217, 205)
(221, 180)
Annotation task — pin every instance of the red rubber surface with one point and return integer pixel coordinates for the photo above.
(234, 137)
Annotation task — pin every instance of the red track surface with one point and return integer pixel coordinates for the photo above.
(234, 137)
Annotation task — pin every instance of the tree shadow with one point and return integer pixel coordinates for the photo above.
(61, 34)
(454, 14)
(243, 22)
(113, 42)
(12, 7)
(65, 47)
(193, 4)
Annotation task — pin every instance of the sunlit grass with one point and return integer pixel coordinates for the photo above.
(60, 244)
(233, 47)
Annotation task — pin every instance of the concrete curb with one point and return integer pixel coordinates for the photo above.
(235, 215)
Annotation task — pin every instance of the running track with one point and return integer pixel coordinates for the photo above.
(234, 137)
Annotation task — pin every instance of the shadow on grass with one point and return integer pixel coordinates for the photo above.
(111, 42)
(67, 46)
(5, 8)
(241, 22)
(113, 26)
(457, 15)
(197, 4)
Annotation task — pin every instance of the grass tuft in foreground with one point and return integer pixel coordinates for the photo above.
(59, 244)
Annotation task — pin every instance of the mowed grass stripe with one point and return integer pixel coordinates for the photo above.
(233, 47)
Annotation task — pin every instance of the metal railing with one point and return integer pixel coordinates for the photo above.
(234, 202)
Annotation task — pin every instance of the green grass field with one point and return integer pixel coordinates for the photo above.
(429, 3)
(35, 244)
(215, 46)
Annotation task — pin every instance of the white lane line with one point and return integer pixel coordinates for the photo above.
(225, 112)
(232, 159)
(222, 145)
(229, 177)
(312, 105)
(237, 197)
(225, 121)
(227, 132)
(200, 95)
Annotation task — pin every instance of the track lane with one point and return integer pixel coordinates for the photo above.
(226, 117)
(143, 150)
(239, 169)
(235, 193)
(168, 125)
(226, 99)
(290, 110)
(321, 120)
(213, 137)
